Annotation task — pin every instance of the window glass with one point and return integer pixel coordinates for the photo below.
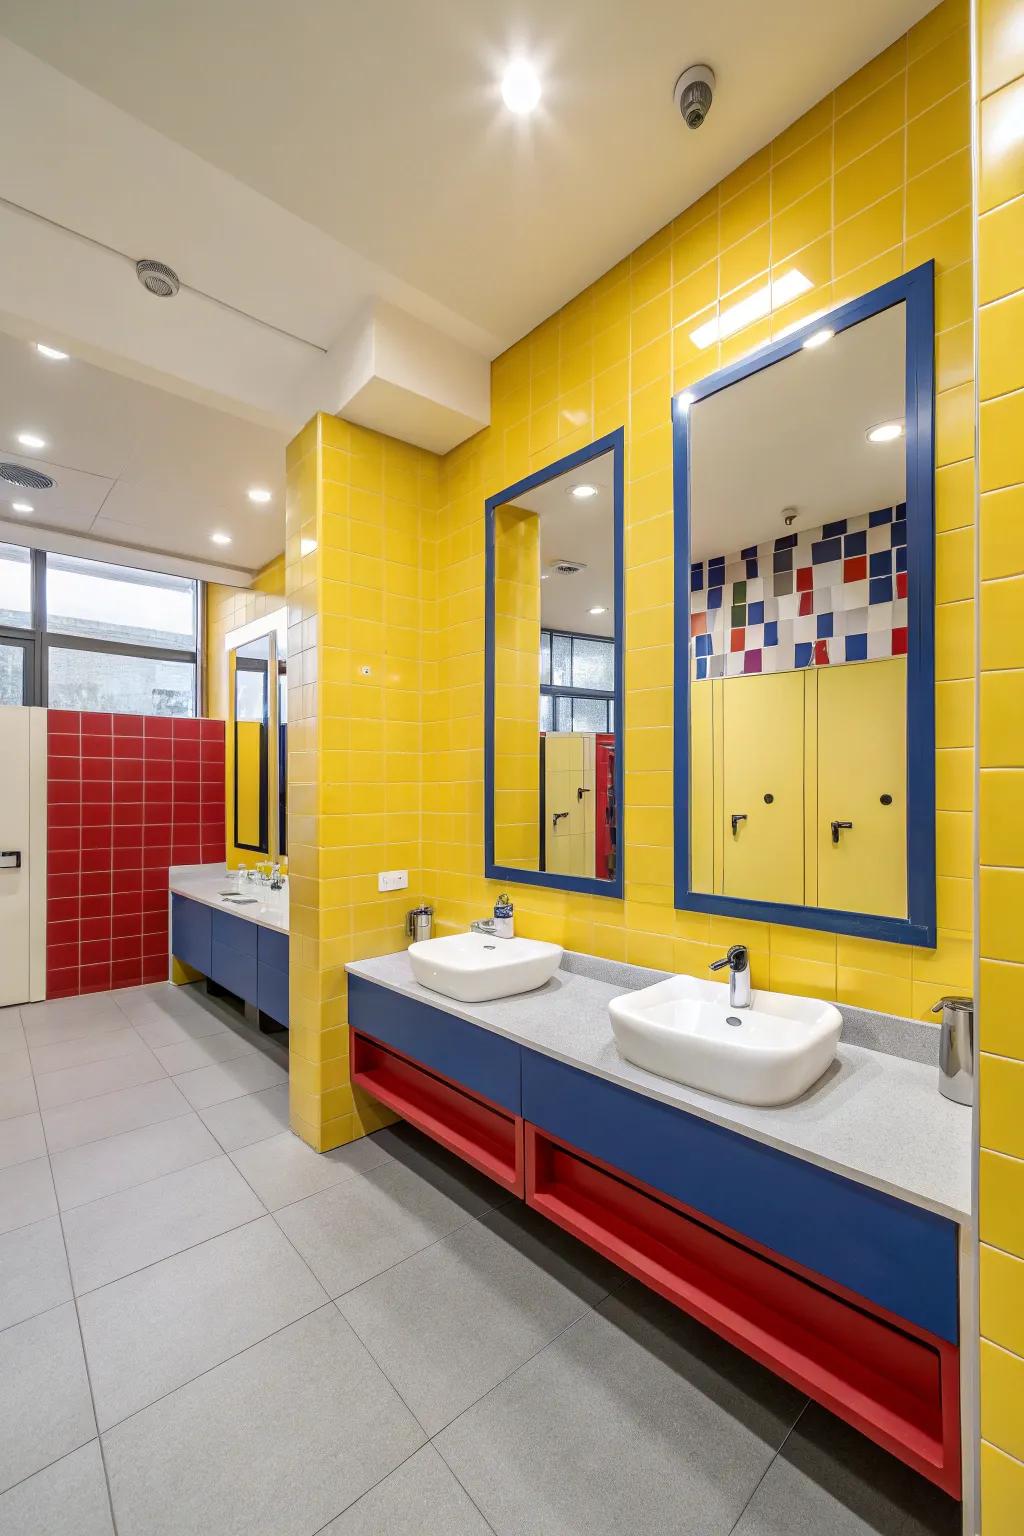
(250, 695)
(113, 602)
(563, 713)
(132, 685)
(593, 664)
(561, 661)
(545, 656)
(589, 714)
(12, 673)
(15, 586)
(546, 712)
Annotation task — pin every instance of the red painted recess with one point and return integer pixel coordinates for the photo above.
(895, 1383)
(480, 1132)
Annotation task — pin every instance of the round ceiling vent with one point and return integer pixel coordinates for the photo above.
(25, 479)
(568, 567)
(160, 280)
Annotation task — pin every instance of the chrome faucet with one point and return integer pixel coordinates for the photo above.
(738, 961)
(483, 925)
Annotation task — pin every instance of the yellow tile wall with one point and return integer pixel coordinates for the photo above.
(228, 608)
(872, 181)
(360, 513)
(1000, 231)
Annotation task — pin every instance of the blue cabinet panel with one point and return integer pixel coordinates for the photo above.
(235, 933)
(190, 932)
(272, 948)
(484, 1062)
(898, 1256)
(231, 969)
(273, 992)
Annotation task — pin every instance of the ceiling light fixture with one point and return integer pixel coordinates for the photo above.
(596, 611)
(885, 432)
(520, 88)
(754, 307)
(31, 440)
(22, 507)
(220, 538)
(583, 492)
(53, 353)
(818, 339)
(259, 495)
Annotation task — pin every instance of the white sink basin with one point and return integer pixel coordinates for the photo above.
(768, 1053)
(475, 968)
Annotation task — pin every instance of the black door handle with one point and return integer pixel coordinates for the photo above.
(840, 826)
(10, 858)
(735, 823)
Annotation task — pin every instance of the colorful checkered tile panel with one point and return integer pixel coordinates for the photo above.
(831, 594)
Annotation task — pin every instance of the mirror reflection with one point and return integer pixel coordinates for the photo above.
(555, 805)
(798, 627)
(252, 725)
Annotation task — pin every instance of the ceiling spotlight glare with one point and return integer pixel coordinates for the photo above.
(885, 432)
(53, 353)
(818, 339)
(520, 88)
(583, 492)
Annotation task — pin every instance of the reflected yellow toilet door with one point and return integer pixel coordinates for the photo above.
(763, 784)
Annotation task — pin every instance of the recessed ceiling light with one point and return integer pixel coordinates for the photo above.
(520, 87)
(22, 506)
(258, 494)
(583, 492)
(220, 538)
(31, 440)
(545, 575)
(818, 338)
(53, 353)
(754, 307)
(885, 432)
(596, 611)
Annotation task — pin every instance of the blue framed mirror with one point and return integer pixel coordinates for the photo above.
(804, 591)
(553, 717)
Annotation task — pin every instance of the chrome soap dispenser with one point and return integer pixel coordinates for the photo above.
(956, 1048)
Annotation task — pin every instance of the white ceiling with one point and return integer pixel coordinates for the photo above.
(794, 435)
(299, 164)
(579, 531)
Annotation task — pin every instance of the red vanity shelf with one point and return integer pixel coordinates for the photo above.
(475, 1129)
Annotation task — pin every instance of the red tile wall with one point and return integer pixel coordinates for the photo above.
(128, 796)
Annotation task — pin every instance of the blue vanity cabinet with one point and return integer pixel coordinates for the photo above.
(191, 933)
(272, 974)
(233, 955)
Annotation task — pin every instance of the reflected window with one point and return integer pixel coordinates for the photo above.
(577, 682)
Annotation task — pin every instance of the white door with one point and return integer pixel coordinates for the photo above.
(22, 854)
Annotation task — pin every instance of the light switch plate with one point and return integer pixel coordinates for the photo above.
(392, 879)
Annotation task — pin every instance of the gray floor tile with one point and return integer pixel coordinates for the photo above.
(188, 1055)
(14, 1063)
(103, 1167)
(45, 1410)
(79, 1053)
(12, 1032)
(73, 1085)
(154, 1331)
(88, 1005)
(636, 1419)
(26, 1194)
(124, 1232)
(283, 1169)
(239, 1122)
(420, 1498)
(90, 1016)
(33, 1271)
(18, 1098)
(189, 1009)
(109, 1114)
(367, 1223)
(831, 1480)
(68, 1498)
(452, 1321)
(279, 1439)
(230, 1080)
(21, 1139)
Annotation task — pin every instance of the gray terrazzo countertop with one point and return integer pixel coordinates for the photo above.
(874, 1117)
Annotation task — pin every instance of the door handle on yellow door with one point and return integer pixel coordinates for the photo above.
(736, 823)
(840, 826)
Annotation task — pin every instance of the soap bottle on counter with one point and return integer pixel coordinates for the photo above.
(504, 923)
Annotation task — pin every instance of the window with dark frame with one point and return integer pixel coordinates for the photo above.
(577, 682)
(88, 635)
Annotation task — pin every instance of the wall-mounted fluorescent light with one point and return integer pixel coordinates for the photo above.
(754, 307)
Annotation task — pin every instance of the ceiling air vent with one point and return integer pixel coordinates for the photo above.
(160, 280)
(567, 567)
(25, 479)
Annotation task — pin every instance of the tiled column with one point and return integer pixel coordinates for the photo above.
(1000, 56)
(358, 511)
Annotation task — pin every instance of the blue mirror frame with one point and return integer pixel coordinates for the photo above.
(614, 443)
(916, 290)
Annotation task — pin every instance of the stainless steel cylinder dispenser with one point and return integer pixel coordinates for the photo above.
(419, 924)
(956, 1048)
